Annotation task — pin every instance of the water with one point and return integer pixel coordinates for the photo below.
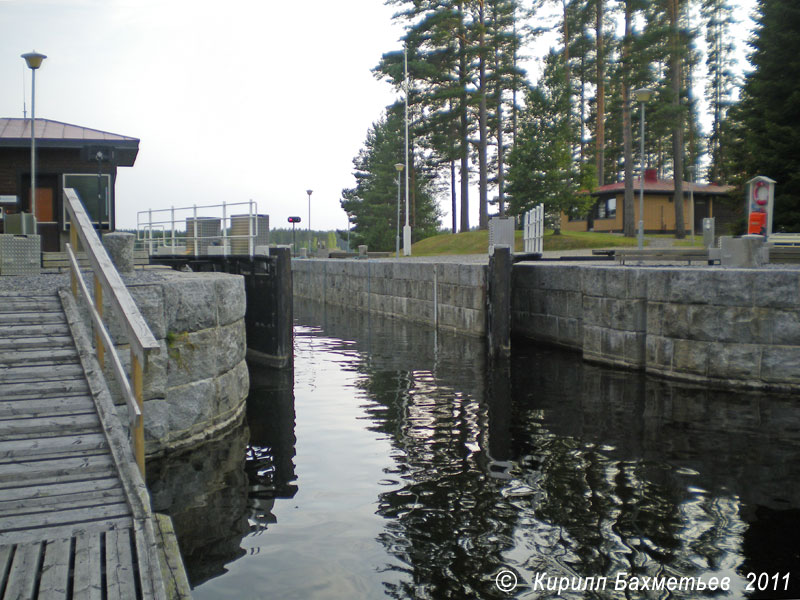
(400, 465)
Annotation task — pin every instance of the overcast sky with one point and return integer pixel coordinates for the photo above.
(232, 100)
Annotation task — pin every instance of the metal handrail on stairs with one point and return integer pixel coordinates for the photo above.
(108, 281)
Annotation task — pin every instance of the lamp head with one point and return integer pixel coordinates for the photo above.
(643, 94)
(399, 166)
(309, 192)
(34, 59)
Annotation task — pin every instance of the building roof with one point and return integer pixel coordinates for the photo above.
(16, 133)
(663, 186)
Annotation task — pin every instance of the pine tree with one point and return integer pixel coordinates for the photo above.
(541, 166)
(768, 114)
(721, 83)
(600, 86)
(373, 201)
(628, 217)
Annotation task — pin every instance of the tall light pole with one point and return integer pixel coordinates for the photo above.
(309, 192)
(399, 167)
(692, 177)
(348, 232)
(407, 228)
(642, 95)
(34, 61)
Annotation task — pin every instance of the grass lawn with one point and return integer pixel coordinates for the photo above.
(477, 242)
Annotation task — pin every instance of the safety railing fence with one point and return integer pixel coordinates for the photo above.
(533, 232)
(109, 284)
(223, 229)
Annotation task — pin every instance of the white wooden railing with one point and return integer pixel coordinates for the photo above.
(108, 282)
(533, 232)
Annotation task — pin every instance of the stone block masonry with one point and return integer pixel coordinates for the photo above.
(450, 296)
(197, 385)
(731, 327)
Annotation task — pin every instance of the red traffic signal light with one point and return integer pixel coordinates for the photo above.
(294, 219)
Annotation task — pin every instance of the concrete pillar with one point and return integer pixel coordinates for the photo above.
(746, 251)
(119, 246)
(498, 298)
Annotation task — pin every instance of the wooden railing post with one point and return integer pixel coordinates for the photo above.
(98, 305)
(138, 429)
(107, 282)
(73, 241)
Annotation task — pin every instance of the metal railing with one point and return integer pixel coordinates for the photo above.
(108, 282)
(202, 230)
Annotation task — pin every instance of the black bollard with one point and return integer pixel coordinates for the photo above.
(498, 311)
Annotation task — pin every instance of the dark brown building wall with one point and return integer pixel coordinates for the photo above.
(51, 165)
(15, 166)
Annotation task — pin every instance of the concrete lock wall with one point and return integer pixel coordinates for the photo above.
(735, 327)
(197, 385)
(450, 296)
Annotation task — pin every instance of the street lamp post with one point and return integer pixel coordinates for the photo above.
(34, 61)
(407, 227)
(399, 167)
(692, 178)
(348, 232)
(642, 95)
(309, 192)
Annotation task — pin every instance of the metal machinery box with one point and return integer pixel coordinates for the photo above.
(20, 223)
(501, 233)
(201, 232)
(20, 254)
(240, 232)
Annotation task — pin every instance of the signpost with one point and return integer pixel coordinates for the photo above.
(294, 220)
(760, 199)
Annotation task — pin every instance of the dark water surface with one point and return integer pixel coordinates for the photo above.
(402, 465)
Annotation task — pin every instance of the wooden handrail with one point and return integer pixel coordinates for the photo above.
(108, 283)
(97, 320)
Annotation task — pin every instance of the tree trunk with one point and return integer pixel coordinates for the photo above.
(600, 137)
(501, 201)
(483, 195)
(464, 129)
(677, 131)
(628, 225)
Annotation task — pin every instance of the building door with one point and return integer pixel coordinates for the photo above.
(46, 211)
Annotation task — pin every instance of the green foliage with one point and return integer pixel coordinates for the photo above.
(373, 201)
(768, 115)
(541, 168)
(463, 74)
(721, 82)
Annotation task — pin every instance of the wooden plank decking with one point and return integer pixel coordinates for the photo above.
(68, 526)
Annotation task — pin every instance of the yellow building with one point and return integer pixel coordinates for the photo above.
(659, 208)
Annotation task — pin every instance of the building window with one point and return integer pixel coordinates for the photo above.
(607, 209)
(95, 194)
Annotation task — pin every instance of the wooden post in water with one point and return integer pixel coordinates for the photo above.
(283, 299)
(498, 297)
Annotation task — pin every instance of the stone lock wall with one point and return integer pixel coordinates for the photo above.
(197, 385)
(449, 296)
(734, 327)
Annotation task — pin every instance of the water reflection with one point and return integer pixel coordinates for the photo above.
(270, 453)
(205, 492)
(419, 471)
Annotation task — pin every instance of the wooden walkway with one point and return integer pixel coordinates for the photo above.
(69, 525)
